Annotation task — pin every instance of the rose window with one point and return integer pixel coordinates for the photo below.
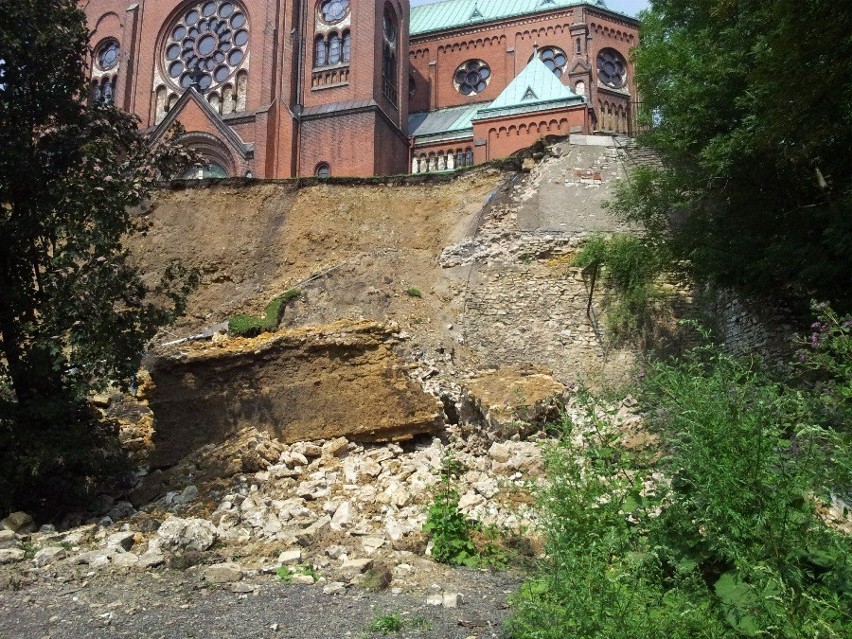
(334, 10)
(554, 59)
(107, 56)
(208, 44)
(472, 77)
(612, 69)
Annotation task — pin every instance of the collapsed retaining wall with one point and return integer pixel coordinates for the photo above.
(307, 384)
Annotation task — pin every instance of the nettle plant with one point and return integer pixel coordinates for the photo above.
(450, 528)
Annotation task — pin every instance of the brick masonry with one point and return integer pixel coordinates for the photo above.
(291, 116)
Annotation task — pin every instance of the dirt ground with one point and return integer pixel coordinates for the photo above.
(364, 246)
(175, 605)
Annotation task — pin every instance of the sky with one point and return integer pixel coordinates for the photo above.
(630, 7)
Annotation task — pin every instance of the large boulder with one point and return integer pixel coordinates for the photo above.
(513, 400)
(19, 522)
(187, 534)
(319, 383)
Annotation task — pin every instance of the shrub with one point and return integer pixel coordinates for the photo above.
(629, 267)
(414, 292)
(733, 546)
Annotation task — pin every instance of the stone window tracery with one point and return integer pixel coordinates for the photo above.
(209, 38)
(554, 59)
(612, 69)
(390, 55)
(105, 66)
(332, 49)
(108, 55)
(333, 11)
(472, 77)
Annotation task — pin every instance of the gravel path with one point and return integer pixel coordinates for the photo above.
(172, 605)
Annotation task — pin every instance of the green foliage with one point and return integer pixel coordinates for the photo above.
(285, 573)
(75, 315)
(756, 193)
(629, 267)
(414, 292)
(732, 545)
(249, 326)
(386, 624)
(450, 528)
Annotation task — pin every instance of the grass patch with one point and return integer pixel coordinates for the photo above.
(250, 326)
(389, 624)
(386, 624)
(414, 292)
(286, 573)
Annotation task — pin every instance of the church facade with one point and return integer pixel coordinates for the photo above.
(284, 88)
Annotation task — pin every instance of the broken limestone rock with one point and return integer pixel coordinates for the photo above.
(12, 555)
(19, 522)
(511, 401)
(350, 569)
(223, 573)
(289, 557)
(305, 384)
(187, 534)
(47, 556)
(122, 541)
(8, 539)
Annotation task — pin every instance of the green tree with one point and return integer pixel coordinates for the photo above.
(753, 121)
(74, 314)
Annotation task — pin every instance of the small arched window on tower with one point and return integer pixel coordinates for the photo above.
(335, 49)
(390, 56)
(320, 52)
(347, 46)
(323, 170)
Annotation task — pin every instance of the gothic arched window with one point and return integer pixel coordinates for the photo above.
(320, 52)
(347, 46)
(207, 44)
(390, 55)
(335, 49)
(104, 72)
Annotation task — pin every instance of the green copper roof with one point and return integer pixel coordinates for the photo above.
(453, 121)
(452, 14)
(534, 89)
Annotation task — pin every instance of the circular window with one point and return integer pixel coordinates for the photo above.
(323, 170)
(207, 45)
(612, 69)
(108, 55)
(554, 59)
(334, 10)
(472, 77)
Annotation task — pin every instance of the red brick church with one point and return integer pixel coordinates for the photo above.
(283, 88)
